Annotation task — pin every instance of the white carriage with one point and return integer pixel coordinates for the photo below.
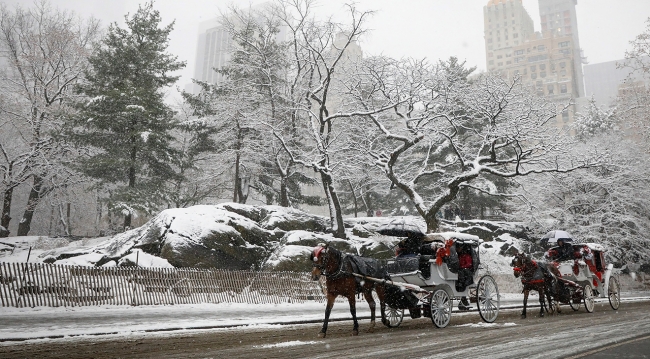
(427, 284)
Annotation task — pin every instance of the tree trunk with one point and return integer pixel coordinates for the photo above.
(354, 196)
(129, 216)
(336, 215)
(5, 218)
(284, 193)
(34, 198)
(236, 196)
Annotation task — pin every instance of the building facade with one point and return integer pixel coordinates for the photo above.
(605, 81)
(558, 19)
(507, 24)
(215, 45)
(548, 63)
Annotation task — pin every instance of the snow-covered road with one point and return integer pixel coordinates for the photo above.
(19, 324)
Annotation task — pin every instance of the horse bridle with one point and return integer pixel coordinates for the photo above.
(323, 267)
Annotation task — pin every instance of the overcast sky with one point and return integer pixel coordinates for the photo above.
(435, 29)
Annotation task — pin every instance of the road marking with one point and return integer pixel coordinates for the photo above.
(607, 347)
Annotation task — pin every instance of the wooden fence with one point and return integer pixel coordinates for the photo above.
(38, 284)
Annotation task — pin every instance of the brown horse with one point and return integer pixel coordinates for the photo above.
(337, 269)
(534, 276)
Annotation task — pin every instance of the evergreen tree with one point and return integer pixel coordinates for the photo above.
(124, 119)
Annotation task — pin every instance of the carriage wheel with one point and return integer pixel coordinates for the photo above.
(487, 299)
(614, 293)
(588, 297)
(393, 316)
(440, 308)
(574, 304)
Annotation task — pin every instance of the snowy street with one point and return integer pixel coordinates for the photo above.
(466, 336)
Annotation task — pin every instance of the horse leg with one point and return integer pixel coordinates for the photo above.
(353, 311)
(371, 303)
(382, 304)
(542, 306)
(549, 300)
(523, 313)
(328, 310)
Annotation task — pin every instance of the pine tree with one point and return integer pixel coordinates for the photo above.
(124, 119)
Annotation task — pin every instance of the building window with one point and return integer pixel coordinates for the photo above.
(537, 58)
(563, 72)
(533, 68)
(515, 35)
(550, 89)
(564, 44)
(491, 62)
(500, 64)
(563, 88)
(565, 116)
(542, 74)
(499, 56)
(533, 75)
(562, 65)
(541, 48)
(519, 52)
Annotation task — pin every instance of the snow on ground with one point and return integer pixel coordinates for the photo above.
(40, 323)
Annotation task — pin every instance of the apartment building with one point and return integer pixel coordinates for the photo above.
(549, 62)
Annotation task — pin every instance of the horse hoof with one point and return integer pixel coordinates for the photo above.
(371, 328)
(523, 316)
(321, 335)
(355, 332)
(541, 315)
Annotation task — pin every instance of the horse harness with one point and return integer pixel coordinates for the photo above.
(532, 271)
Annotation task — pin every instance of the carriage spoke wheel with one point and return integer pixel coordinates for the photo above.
(588, 298)
(440, 308)
(574, 302)
(613, 291)
(487, 299)
(393, 316)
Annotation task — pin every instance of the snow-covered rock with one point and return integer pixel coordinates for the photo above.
(237, 236)
(4, 232)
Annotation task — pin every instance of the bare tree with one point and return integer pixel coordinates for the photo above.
(451, 133)
(45, 52)
(322, 51)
